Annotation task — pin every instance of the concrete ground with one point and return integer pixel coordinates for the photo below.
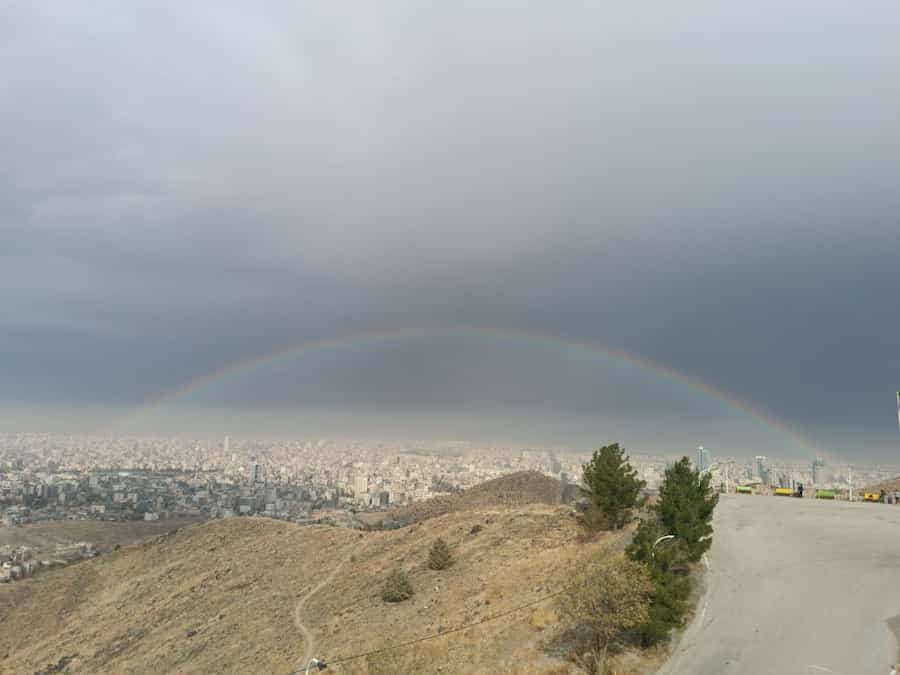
(797, 586)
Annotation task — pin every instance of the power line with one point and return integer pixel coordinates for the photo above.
(432, 636)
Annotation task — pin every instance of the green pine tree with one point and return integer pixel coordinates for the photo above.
(671, 587)
(612, 485)
(668, 605)
(685, 508)
(641, 546)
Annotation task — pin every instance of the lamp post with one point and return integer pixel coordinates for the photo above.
(850, 481)
(661, 539)
(666, 537)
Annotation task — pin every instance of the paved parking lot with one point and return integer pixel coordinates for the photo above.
(797, 586)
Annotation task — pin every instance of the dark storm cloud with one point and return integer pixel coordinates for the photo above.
(713, 186)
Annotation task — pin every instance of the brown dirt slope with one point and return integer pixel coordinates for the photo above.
(221, 597)
(515, 489)
(103, 534)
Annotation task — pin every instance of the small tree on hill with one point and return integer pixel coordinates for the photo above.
(685, 508)
(439, 557)
(610, 598)
(612, 485)
(397, 587)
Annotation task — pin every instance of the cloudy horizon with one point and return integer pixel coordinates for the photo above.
(709, 187)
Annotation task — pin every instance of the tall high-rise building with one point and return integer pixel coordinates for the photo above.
(704, 461)
(255, 474)
(762, 470)
(360, 485)
(817, 470)
(226, 445)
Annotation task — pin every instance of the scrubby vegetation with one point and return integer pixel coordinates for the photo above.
(639, 598)
(609, 598)
(622, 603)
(397, 587)
(439, 557)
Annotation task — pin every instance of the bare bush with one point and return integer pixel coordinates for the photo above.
(608, 599)
(397, 587)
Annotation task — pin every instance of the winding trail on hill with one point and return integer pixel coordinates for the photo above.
(298, 611)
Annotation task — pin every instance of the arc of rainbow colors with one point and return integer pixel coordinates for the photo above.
(437, 331)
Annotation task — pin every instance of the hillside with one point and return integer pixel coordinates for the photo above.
(104, 535)
(223, 596)
(515, 489)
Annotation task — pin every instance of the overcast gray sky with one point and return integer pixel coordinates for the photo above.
(711, 185)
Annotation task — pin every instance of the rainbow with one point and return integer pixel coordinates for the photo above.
(440, 331)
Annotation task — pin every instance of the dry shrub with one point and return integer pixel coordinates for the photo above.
(608, 598)
(397, 587)
(439, 557)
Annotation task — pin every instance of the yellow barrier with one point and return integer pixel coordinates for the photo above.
(784, 492)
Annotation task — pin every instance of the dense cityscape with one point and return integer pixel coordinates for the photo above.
(47, 477)
(152, 487)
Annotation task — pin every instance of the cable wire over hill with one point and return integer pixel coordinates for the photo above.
(432, 636)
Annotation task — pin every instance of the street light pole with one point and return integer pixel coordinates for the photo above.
(663, 538)
(659, 540)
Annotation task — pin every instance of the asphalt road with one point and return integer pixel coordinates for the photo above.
(797, 586)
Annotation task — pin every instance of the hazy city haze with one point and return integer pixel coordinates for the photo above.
(709, 186)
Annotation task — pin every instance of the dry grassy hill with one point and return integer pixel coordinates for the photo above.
(223, 597)
(515, 489)
(103, 534)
